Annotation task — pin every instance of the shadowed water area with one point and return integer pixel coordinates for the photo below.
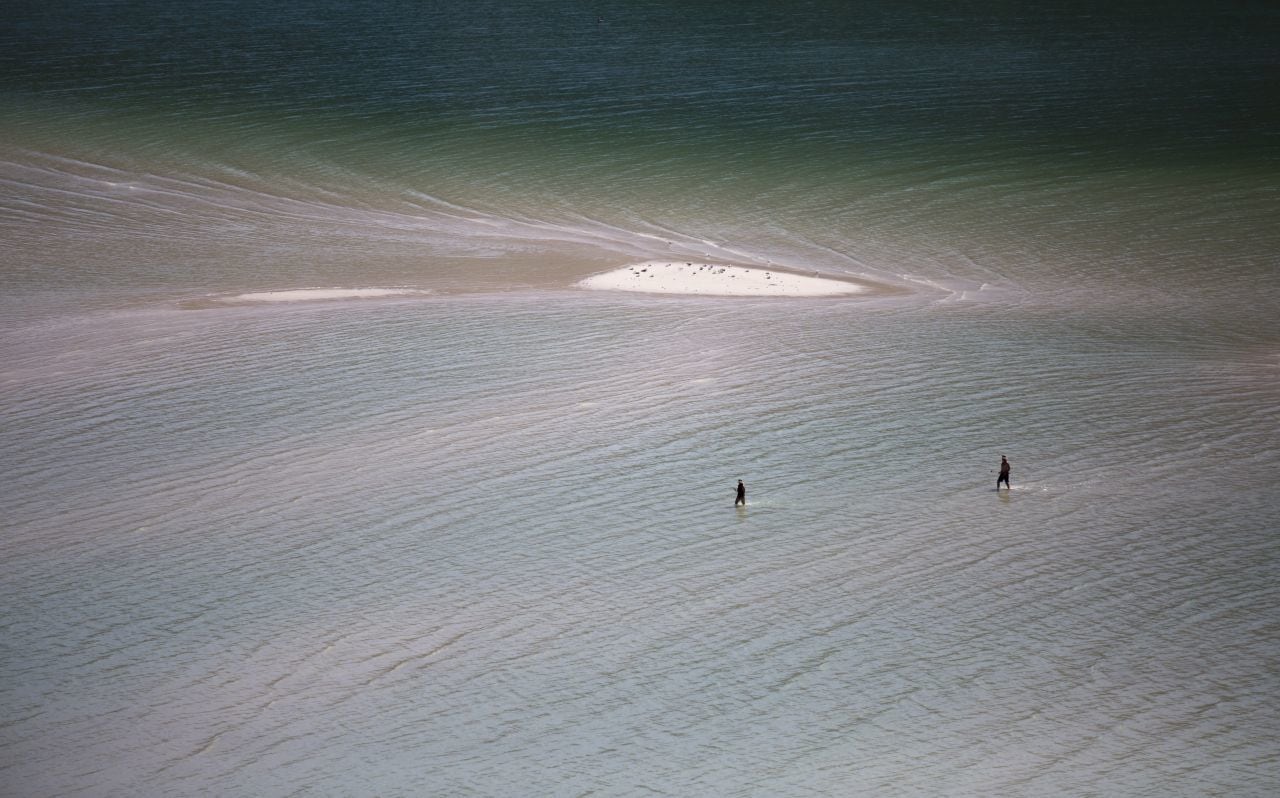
(322, 475)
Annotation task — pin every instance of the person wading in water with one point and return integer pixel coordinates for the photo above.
(1004, 474)
(742, 495)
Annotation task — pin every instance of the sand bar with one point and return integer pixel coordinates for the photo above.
(716, 279)
(316, 294)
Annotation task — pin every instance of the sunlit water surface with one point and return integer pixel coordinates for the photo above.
(320, 477)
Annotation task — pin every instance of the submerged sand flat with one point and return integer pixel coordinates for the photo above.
(712, 279)
(317, 294)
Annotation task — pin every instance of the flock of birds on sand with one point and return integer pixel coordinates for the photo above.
(709, 268)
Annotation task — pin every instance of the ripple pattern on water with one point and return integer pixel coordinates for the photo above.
(259, 548)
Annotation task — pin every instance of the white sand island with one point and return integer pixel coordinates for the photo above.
(716, 279)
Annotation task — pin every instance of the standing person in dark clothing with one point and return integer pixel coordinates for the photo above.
(742, 495)
(1004, 474)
